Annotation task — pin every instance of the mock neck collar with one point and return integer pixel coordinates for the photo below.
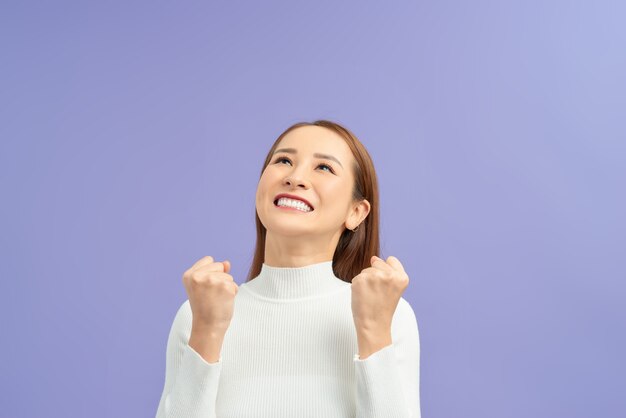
(295, 282)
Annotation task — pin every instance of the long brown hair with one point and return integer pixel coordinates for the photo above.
(354, 249)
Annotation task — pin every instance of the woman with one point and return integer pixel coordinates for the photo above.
(320, 328)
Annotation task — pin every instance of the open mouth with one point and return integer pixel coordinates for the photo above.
(300, 208)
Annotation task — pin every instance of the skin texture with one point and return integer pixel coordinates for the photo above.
(296, 239)
(376, 292)
(211, 290)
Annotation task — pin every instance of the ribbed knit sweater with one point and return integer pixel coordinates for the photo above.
(291, 351)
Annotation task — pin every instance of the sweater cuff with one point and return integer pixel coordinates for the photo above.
(198, 357)
(196, 384)
(379, 388)
(358, 358)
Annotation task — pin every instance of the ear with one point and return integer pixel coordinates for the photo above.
(359, 213)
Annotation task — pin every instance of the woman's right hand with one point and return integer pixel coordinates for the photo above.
(211, 292)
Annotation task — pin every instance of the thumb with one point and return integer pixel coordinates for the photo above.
(226, 264)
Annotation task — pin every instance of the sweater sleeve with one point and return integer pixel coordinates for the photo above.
(191, 383)
(387, 382)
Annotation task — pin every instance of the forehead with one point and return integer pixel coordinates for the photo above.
(310, 139)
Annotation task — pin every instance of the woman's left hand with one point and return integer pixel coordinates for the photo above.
(376, 292)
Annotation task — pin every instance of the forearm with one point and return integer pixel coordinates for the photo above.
(207, 342)
(370, 341)
(387, 369)
(193, 369)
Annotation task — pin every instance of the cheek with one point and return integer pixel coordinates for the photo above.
(262, 189)
(335, 195)
(268, 175)
(334, 188)
(259, 188)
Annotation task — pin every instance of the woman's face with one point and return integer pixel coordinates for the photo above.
(324, 182)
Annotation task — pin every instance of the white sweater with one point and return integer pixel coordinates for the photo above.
(291, 351)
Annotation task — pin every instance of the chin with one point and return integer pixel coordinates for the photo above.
(287, 228)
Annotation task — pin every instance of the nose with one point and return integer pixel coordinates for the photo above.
(295, 181)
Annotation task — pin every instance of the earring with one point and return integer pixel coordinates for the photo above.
(357, 227)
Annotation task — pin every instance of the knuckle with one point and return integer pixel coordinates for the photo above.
(197, 278)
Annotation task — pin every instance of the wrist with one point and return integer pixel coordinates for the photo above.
(207, 343)
(208, 330)
(370, 342)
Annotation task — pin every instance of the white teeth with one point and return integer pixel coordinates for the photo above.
(297, 204)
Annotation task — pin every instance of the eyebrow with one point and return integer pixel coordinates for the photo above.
(317, 154)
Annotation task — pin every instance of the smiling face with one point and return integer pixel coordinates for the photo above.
(313, 163)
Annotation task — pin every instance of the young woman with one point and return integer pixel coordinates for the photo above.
(320, 328)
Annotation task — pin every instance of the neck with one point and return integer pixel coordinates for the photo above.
(299, 250)
(288, 283)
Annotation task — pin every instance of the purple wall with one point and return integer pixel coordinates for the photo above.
(133, 134)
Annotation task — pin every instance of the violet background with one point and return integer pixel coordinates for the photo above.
(133, 134)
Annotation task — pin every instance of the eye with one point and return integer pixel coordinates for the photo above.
(282, 158)
(279, 159)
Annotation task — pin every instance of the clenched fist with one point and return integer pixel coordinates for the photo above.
(376, 292)
(211, 292)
